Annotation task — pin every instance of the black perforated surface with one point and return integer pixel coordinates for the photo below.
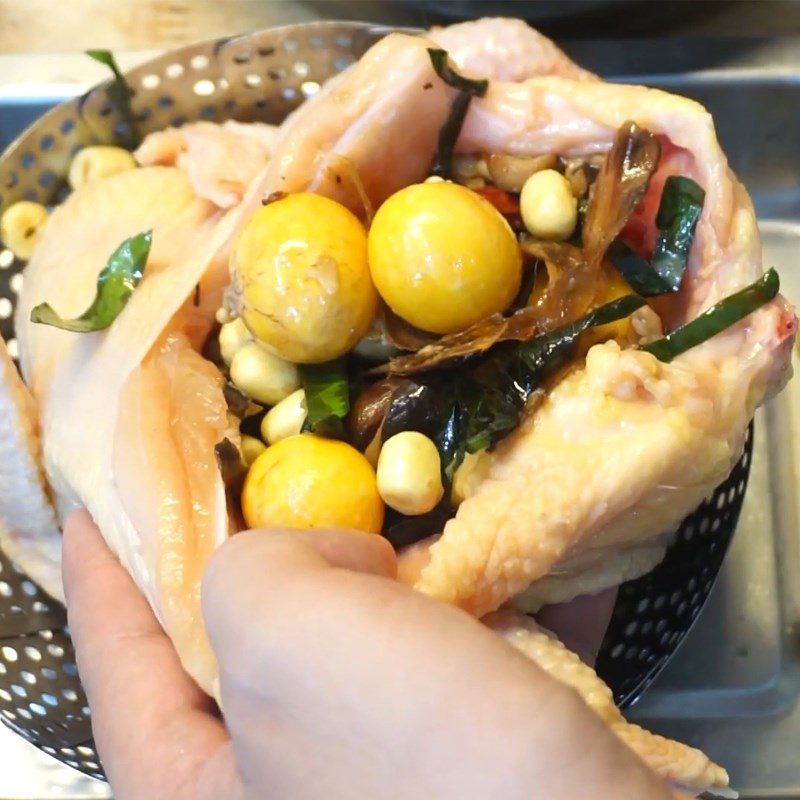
(41, 697)
(654, 613)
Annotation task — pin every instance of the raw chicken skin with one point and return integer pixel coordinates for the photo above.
(28, 529)
(590, 571)
(130, 416)
(505, 49)
(367, 133)
(220, 160)
(674, 762)
(175, 414)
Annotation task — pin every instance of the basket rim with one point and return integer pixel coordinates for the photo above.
(183, 52)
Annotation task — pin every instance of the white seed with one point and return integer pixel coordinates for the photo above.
(434, 179)
(262, 376)
(285, 419)
(223, 315)
(20, 226)
(409, 473)
(252, 448)
(98, 161)
(548, 207)
(232, 337)
(474, 468)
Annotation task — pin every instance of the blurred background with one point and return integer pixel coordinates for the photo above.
(44, 26)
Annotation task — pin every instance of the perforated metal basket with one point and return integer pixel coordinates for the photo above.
(263, 76)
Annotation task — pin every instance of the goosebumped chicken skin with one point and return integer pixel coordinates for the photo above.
(676, 763)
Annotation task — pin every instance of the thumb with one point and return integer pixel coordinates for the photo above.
(238, 571)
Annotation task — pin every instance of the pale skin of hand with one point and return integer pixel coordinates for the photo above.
(337, 683)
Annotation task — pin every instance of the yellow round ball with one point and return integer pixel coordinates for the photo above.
(301, 264)
(443, 257)
(306, 481)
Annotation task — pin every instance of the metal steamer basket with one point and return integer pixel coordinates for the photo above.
(263, 76)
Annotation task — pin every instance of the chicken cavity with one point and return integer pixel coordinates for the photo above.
(625, 446)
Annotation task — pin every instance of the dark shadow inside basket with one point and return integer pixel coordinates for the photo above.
(264, 76)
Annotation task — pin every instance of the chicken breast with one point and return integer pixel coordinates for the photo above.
(29, 532)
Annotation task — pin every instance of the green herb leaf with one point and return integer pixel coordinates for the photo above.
(115, 284)
(494, 398)
(467, 89)
(119, 94)
(677, 193)
(551, 350)
(327, 390)
(678, 213)
(640, 275)
(450, 441)
(441, 64)
(716, 319)
(402, 531)
(443, 165)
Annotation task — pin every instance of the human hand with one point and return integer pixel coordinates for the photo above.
(158, 735)
(336, 682)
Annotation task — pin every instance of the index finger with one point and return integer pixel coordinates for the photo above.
(149, 718)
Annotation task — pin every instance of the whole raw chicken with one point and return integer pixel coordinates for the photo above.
(581, 496)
